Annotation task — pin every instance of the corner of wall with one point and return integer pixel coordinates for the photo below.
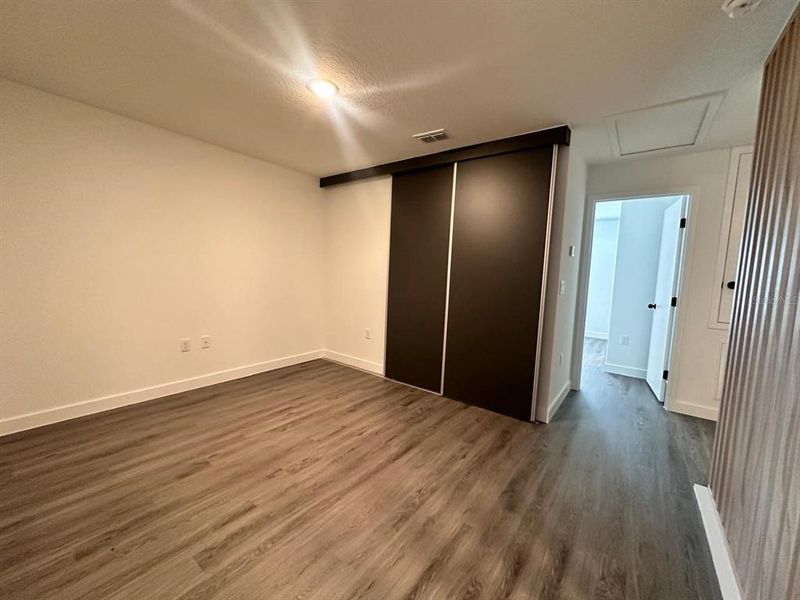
(357, 220)
(559, 324)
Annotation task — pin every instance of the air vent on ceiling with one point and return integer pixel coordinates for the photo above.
(739, 8)
(431, 136)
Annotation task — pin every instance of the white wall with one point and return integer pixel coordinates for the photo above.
(357, 271)
(121, 238)
(118, 238)
(635, 274)
(601, 276)
(694, 368)
(559, 323)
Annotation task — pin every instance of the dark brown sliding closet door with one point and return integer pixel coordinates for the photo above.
(418, 250)
(498, 256)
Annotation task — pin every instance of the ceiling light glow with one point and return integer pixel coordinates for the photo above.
(322, 88)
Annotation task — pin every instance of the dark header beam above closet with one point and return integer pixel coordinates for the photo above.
(543, 137)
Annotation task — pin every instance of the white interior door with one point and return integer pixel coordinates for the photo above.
(663, 312)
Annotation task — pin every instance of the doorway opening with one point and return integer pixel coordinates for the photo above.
(630, 293)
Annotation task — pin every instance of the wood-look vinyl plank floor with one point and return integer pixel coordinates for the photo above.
(322, 482)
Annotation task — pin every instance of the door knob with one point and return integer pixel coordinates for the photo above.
(731, 285)
(651, 306)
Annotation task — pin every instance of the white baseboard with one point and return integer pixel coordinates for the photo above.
(720, 553)
(96, 405)
(694, 410)
(625, 370)
(353, 361)
(553, 404)
(598, 335)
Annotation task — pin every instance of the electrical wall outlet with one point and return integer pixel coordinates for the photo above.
(562, 287)
(367, 334)
(205, 341)
(624, 340)
(186, 344)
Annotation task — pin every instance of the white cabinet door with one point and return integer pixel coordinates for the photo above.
(730, 242)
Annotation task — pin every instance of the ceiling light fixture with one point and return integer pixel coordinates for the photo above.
(322, 88)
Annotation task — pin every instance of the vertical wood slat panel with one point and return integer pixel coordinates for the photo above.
(756, 468)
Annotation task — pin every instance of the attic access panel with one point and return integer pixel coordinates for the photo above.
(680, 124)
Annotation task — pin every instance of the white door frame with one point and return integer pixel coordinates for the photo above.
(691, 192)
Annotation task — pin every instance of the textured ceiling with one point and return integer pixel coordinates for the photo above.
(233, 73)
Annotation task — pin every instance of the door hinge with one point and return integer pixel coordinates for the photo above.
(674, 301)
(683, 222)
(665, 375)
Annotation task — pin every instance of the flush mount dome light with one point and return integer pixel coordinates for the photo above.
(322, 87)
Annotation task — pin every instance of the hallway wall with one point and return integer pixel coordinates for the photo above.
(601, 275)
